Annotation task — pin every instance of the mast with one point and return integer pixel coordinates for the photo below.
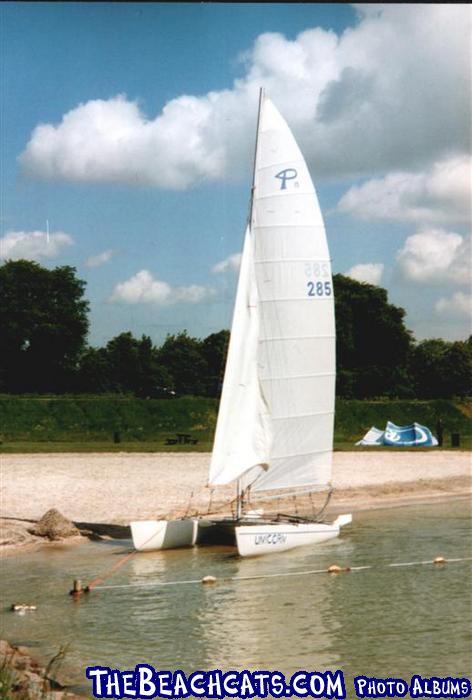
(239, 490)
(261, 98)
(239, 500)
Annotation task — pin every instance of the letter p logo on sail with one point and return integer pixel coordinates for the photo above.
(284, 175)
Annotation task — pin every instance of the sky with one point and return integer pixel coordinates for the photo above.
(127, 138)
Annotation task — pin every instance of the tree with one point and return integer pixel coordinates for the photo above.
(94, 374)
(372, 343)
(125, 365)
(442, 369)
(152, 378)
(122, 356)
(183, 358)
(214, 350)
(457, 368)
(43, 317)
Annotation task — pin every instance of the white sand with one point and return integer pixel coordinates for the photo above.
(117, 488)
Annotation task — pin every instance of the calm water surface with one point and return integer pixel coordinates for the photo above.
(381, 622)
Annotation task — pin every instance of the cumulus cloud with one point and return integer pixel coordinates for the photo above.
(459, 304)
(366, 272)
(436, 256)
(231, 263)
(441, 194)
(99, 259)
(392, 92)
(33, 245)
(143, 288)
(113, 141)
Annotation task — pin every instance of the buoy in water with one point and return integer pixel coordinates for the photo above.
(208, 579)
(439, 560)
(22, 607)
(335, 569)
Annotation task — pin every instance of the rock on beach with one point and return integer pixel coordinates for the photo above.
(54, 526)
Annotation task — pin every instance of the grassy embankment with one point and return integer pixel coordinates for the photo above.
(111, 423)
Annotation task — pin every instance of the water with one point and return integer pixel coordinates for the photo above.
(381, 622)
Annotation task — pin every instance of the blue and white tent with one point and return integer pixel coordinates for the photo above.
(374, 436)
(414, 435)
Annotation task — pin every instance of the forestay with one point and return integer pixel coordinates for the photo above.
(277, 407)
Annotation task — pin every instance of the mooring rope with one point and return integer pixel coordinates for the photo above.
(333, 569)
(99, 579)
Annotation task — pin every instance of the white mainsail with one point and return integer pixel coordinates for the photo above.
(277, 405)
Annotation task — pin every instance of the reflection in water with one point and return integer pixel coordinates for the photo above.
(412, 620)
(260, 624)
(389, 622)
(232, 624)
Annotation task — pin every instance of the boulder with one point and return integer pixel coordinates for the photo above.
(54, 526)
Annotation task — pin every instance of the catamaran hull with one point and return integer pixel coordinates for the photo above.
(152, 535)
(257, 539)
(251, 539)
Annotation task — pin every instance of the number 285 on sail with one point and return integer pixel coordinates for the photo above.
(319, 289)
(320, 284)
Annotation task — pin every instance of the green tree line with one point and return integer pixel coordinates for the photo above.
(43, 347)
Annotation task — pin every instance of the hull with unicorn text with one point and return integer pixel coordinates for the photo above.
(254, 540)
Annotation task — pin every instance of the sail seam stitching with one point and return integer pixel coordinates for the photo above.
(304, 415)
(271, 301)
(292, 225)
(284, 260)
(299, 454)
(297, 337)
(276, 195)
(298, 376)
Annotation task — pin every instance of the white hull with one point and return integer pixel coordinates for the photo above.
(251, 540)
(151, 535)
(257, 539)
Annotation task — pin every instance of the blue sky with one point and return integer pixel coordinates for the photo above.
(128, 132)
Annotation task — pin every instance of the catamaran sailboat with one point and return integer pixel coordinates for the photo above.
(275, 423)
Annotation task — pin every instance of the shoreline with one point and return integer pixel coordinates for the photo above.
(102, 492)
(442, 492)
(101, 495)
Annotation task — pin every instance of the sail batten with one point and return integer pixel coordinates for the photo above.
(300, 298)
(262, 197)
(291, 260)
(288, 455)
(298, 337)
(302, 415)
(276, 414)
(283, 377)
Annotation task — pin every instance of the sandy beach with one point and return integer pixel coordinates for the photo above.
(95, 490)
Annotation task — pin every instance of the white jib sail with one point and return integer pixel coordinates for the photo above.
(288, 355)
(242, 437)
